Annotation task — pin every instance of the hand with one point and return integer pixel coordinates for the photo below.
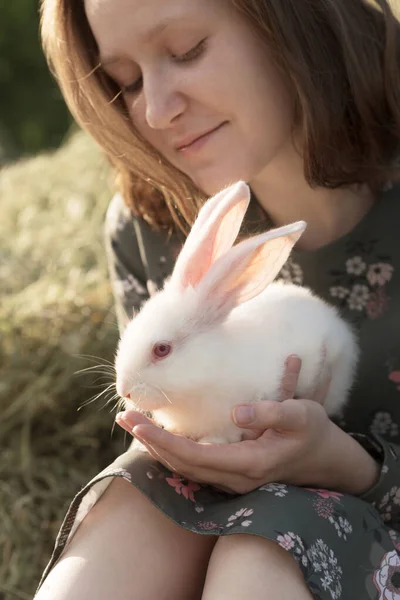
(236, 467)
(292, 443)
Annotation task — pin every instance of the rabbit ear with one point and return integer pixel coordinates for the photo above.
(246, 270)
(212, 234)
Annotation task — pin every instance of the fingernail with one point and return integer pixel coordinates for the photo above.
(293, 362)
(243, 415)
(121, 419)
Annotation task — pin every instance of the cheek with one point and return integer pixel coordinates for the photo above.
(262, 94)
(271, 99)
(137, 113)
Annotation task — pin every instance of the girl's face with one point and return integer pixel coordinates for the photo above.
(198, 84)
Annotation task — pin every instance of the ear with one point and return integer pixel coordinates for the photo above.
(246, 270)
(213, 233)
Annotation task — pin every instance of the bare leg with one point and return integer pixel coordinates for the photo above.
(245, 566)
(126, 549)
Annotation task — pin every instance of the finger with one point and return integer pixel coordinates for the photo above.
(124, 425)
(290, 378)
(130, 418)
(161, 458)
(268, 414)
(197, 474)
(250, 434)
(323, 388)
(241, 457)
(323, 378)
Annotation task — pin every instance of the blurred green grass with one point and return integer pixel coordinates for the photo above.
(56, 307)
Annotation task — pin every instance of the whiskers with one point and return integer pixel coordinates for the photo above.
(105, 378)
(142, 390)
(106, 371)
(156, 387)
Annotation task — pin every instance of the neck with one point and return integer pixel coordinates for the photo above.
(283, 192)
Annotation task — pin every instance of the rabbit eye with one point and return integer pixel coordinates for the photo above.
(162, 350)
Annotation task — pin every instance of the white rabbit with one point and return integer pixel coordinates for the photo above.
(219, 332)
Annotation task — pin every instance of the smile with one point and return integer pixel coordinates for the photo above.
(199, 142)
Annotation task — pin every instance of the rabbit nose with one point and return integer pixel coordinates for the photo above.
(123, 387)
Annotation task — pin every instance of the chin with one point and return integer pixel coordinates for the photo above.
(213, 180)
(145, 405)
(212, 185)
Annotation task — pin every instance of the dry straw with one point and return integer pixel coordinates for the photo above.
(55, 306)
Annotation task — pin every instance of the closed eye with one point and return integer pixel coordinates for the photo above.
(133, 88)
(189, 56)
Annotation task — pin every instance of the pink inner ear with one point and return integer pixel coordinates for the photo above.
(199, 265)
(213, 239)
(246, 270)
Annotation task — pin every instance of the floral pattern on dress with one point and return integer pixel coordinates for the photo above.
(387, 577)
(395, 537)
(278, 489)
(128, 285)
(210, 527)
(183, 486)
(291, 272)
(241, 517)
(324, 507)
(328, 506)
(342, 526)
(362, 285)
(320, 566)
(325, 493)
(383, 424)
(390, 504)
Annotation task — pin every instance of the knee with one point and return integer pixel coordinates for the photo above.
(245, 565)
(245, 541)
(254, 548)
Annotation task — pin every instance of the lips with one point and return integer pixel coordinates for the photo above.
(187, 142)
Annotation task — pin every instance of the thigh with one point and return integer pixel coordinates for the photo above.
(126, 549)
(246, 566)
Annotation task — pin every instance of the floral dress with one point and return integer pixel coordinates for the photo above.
(347, 547)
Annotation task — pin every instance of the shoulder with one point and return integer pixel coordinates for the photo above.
(118, 217)
(120, 220)
(129, 236)
(123, 229)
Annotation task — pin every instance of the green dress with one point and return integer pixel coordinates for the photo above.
(347, 547)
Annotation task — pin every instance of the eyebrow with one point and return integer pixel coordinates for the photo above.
(153, 32)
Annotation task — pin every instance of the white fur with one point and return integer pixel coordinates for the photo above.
(230, 337)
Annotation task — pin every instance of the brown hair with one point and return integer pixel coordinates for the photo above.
(342, 58)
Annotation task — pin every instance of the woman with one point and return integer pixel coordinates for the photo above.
(301, 100)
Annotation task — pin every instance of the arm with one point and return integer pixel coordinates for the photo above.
(384, 494)
(125, 265)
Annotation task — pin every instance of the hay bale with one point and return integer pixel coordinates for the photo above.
(56, 306)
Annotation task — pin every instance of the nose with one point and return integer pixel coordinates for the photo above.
(164, 100)
(123, 388)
